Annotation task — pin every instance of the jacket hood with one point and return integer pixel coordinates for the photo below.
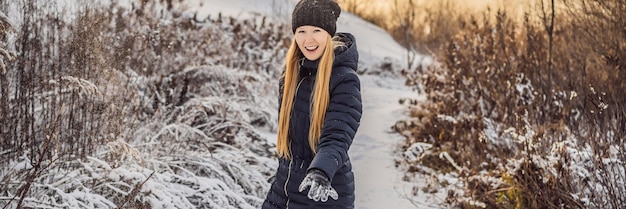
(347, 56)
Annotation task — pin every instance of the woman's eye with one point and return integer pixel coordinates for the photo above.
(300, 31)
(317, 30)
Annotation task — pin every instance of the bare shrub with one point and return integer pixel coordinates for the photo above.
(50, 87)
(118, 93)
(536, 108)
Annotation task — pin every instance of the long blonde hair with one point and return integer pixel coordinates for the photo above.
(320, 96)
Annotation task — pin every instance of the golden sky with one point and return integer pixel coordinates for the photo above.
(472, 4)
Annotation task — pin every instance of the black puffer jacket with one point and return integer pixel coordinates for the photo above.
(342, 120)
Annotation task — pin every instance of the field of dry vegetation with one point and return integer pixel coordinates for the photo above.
(135, 107)
(527, 110)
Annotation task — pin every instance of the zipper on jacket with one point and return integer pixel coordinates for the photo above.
(290, 154)
(287, 181)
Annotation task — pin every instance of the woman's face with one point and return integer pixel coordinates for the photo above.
(311, 41)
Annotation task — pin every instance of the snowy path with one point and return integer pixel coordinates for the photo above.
(378, 182)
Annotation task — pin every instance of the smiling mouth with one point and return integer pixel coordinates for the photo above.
(311, 48)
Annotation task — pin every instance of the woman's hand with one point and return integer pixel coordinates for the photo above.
(320, 186)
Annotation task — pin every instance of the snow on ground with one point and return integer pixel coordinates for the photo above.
(374, 43)
(378, 182)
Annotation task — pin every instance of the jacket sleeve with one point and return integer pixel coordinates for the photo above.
(343, 116)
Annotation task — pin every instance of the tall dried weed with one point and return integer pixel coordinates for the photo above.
(541, 112)
(105, 96)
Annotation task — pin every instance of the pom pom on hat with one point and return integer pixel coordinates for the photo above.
(318, 13)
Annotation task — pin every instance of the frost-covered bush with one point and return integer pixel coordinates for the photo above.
(513, 113)
(147, 106)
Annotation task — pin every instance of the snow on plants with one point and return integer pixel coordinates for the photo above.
(187, 97)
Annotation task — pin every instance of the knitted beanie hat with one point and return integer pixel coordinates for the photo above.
(318, 13)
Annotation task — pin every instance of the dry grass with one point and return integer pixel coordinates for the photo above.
(534, 104)
(103, 92)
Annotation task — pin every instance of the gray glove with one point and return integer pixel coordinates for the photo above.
(320, 186)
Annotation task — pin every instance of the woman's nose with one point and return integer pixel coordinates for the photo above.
(308, 38)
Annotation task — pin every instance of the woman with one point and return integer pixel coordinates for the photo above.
(319, 113)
